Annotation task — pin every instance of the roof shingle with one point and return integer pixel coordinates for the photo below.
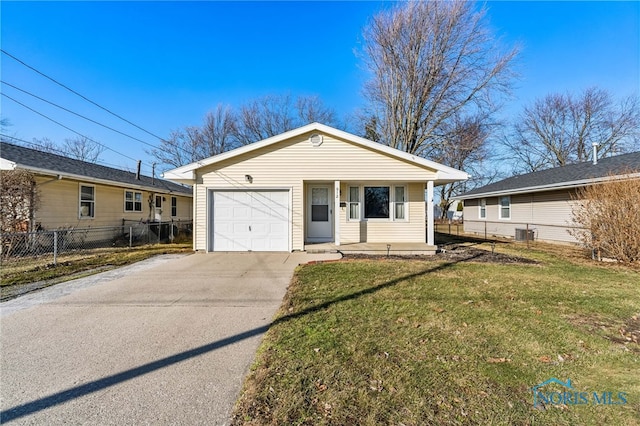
(561, 176)
(28, 158)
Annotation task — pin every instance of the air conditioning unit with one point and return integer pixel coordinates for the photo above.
(524, 235)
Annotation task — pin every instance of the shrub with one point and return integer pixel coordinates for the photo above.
(609, 218)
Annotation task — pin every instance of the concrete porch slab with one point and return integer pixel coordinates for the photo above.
(399, 249)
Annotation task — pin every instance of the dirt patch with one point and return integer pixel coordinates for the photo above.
(456, 253)
(627, 333)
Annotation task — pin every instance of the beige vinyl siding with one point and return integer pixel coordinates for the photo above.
(60, 203)
(548, 214)
(289, 164)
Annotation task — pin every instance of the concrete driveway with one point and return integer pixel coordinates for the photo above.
(166, 341)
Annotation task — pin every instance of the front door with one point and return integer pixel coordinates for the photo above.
(158, 208)
(319, 214)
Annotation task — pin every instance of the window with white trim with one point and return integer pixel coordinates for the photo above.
(87, 202)
(174, 206)
(377, 202)
(483, 209)
(505, 207)
(132, 201)
(399, 202)
(354, 203)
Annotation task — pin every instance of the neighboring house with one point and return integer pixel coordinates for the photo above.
(78, 194)
(314, 184)
(541, 202)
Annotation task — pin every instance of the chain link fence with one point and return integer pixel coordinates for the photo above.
(25, 247)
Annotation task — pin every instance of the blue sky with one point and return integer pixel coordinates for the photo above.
(163, 65)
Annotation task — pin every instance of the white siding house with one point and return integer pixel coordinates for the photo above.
(314, 184)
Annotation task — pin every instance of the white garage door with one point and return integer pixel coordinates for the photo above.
(250, 221)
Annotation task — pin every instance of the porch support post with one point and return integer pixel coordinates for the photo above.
(430, 239)
(336, 213)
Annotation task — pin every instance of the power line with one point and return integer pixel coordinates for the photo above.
(76, 114)
(66, 127)
(78, 94)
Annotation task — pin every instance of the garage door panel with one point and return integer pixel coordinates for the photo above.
(250, 220)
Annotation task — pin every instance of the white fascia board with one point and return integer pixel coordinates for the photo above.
(186, 173)
(6, 164)
(449, 177)
(188, 176)
(550, 187)
(62, 175)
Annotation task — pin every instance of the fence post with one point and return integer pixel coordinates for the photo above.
(159, 231)
(55, 248)
(485, 229)
(130, 236)
(527, 237)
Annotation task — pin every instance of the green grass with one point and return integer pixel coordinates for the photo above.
(15, 276)
(429, 342)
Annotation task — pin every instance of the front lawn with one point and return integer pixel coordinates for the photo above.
(445, 341)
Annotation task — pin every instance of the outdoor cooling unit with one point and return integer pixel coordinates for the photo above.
(524, 235)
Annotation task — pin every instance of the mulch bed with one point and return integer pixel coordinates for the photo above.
(455, 253)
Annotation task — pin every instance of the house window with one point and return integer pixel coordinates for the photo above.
(87, 202)
(174, 206)
(505, 207)
(132, 201)
(399, 202)
(376, 202)
(380, 202)
(483, 208)
(354, 203)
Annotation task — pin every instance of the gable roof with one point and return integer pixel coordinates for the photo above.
(444, 173)
(570, 176)
(16, 156)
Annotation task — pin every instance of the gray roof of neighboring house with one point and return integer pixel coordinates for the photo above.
(31, 159)
(560, 177)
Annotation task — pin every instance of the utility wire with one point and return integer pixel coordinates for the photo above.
(78, 94)
(79, 115)
(66, 127)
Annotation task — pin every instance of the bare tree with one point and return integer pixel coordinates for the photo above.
(80, 148)
(216, 135)
(19, 200)
(431, 62)
(311, 109)
(265, 117)
(83, 148)
(218, 131)
(46, 145)
(274, 114)
(223, 129)
(465, 148)
(560, 129)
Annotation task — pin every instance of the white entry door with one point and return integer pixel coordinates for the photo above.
(250, 221)
(158, 208)
(319, 214)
